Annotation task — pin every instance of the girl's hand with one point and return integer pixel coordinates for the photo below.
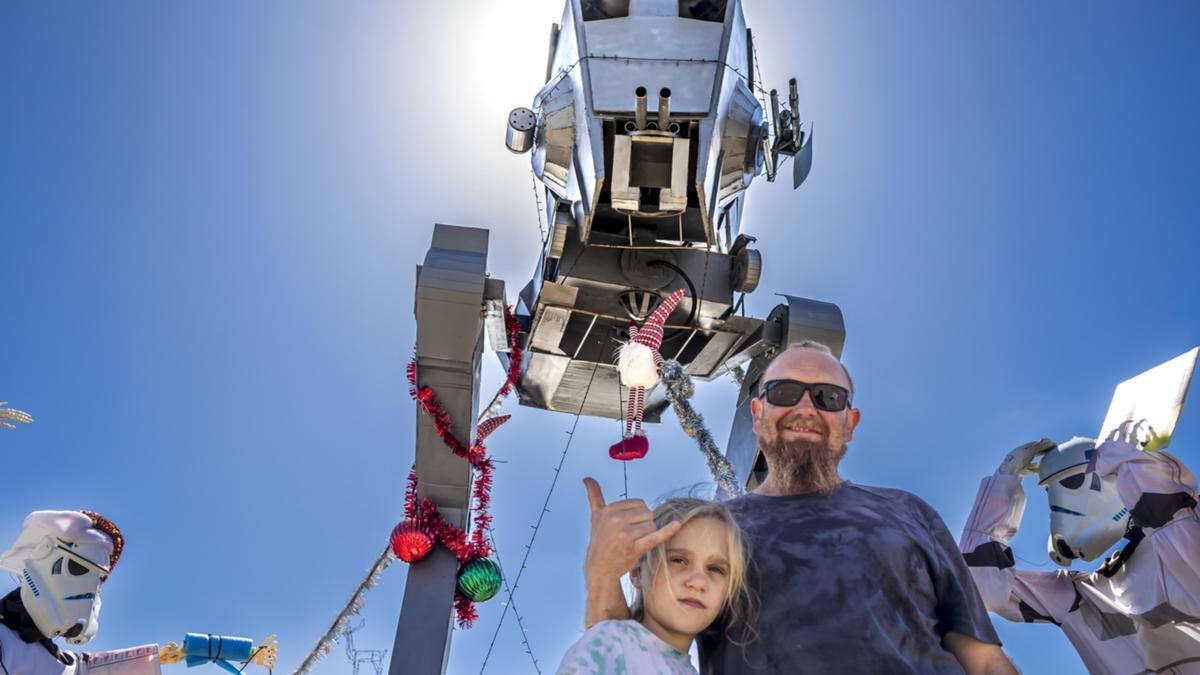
(621, 533)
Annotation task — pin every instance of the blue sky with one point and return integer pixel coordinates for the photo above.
(212, 212)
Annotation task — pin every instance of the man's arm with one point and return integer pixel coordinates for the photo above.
(605, 601)
(621, 533)
(977, 657)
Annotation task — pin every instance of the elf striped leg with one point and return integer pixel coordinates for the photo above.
(641, 396)
(630, 414)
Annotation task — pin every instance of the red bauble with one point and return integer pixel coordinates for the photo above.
(632, 447)
(411, 540)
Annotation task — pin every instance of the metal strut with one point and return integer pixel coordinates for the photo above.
(449, 313)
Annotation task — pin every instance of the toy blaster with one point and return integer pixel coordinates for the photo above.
(200, 648)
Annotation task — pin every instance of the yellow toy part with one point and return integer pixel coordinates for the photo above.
(170, 653)
(1156, 442)
(266, 653)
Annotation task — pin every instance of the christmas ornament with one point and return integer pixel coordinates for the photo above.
(479, 579)
(411, 540)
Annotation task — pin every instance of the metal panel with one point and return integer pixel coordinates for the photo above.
(494, 303)
(624, 196)
(815, 320)
(710, 361)
(674, 198)
(541, 378)
(548, 327)
(654, 37)
(690, 82)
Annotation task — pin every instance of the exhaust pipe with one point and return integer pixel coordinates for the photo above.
(775, 113)
(640, 111)
(664, 108)
(794, 100)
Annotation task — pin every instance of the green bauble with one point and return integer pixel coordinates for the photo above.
(479, 579)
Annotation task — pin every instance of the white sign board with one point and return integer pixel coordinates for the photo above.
(1154, 399)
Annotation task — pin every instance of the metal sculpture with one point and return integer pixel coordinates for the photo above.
(640, 203)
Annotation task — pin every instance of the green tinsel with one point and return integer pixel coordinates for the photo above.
(479, 579)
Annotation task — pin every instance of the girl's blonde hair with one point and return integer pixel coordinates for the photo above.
(739, 601)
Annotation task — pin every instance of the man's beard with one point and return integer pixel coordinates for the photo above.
(802, 466)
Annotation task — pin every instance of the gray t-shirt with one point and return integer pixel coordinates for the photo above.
(865, 580)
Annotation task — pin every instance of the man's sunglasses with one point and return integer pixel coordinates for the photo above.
(787, 393)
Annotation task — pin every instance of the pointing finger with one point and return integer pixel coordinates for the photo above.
(653, 539)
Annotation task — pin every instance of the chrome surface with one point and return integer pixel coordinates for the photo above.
(639, 112)
(642, 201)
(664, 108)
(625, 197)
(519, 134)
(563, 220)
(673, 199)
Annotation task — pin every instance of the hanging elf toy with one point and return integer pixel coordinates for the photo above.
(638, 362)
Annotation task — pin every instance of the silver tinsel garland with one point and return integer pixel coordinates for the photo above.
(330, 638)
(13, 415)
(738, 374)
(679, 388)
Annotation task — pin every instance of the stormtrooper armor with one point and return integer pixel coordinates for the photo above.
(1137, 612)
(1086, 514)
(61, 559)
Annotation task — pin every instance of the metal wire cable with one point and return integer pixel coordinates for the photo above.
(510, 601)
(541, 515)
(537, 201)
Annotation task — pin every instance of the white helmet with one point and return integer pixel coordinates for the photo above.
(62, 557)
(1086, 515)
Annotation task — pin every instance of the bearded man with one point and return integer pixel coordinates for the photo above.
(849, 578)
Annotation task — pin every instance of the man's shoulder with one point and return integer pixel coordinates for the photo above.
(885, 493)
(895, 498)
(847, 490)
(848, 494)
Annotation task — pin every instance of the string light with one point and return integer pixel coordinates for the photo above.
(537, 526)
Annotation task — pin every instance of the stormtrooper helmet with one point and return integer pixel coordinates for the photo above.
(61, 559)
(1086, 514)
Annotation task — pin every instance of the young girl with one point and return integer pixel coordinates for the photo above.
(682, 587)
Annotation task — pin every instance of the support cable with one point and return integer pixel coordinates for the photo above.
(541, 515)
(510, 601)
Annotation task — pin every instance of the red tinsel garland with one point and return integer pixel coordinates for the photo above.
(447, 534)
(513, 326)
(410, 495)
(464, 607)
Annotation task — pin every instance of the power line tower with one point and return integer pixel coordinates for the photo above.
(356, 657)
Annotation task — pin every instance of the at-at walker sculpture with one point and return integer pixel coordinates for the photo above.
(643, 141)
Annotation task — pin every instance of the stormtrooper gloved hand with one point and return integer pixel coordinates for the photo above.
(1019, 462)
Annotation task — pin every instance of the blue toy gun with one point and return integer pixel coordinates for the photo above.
(200, 648)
